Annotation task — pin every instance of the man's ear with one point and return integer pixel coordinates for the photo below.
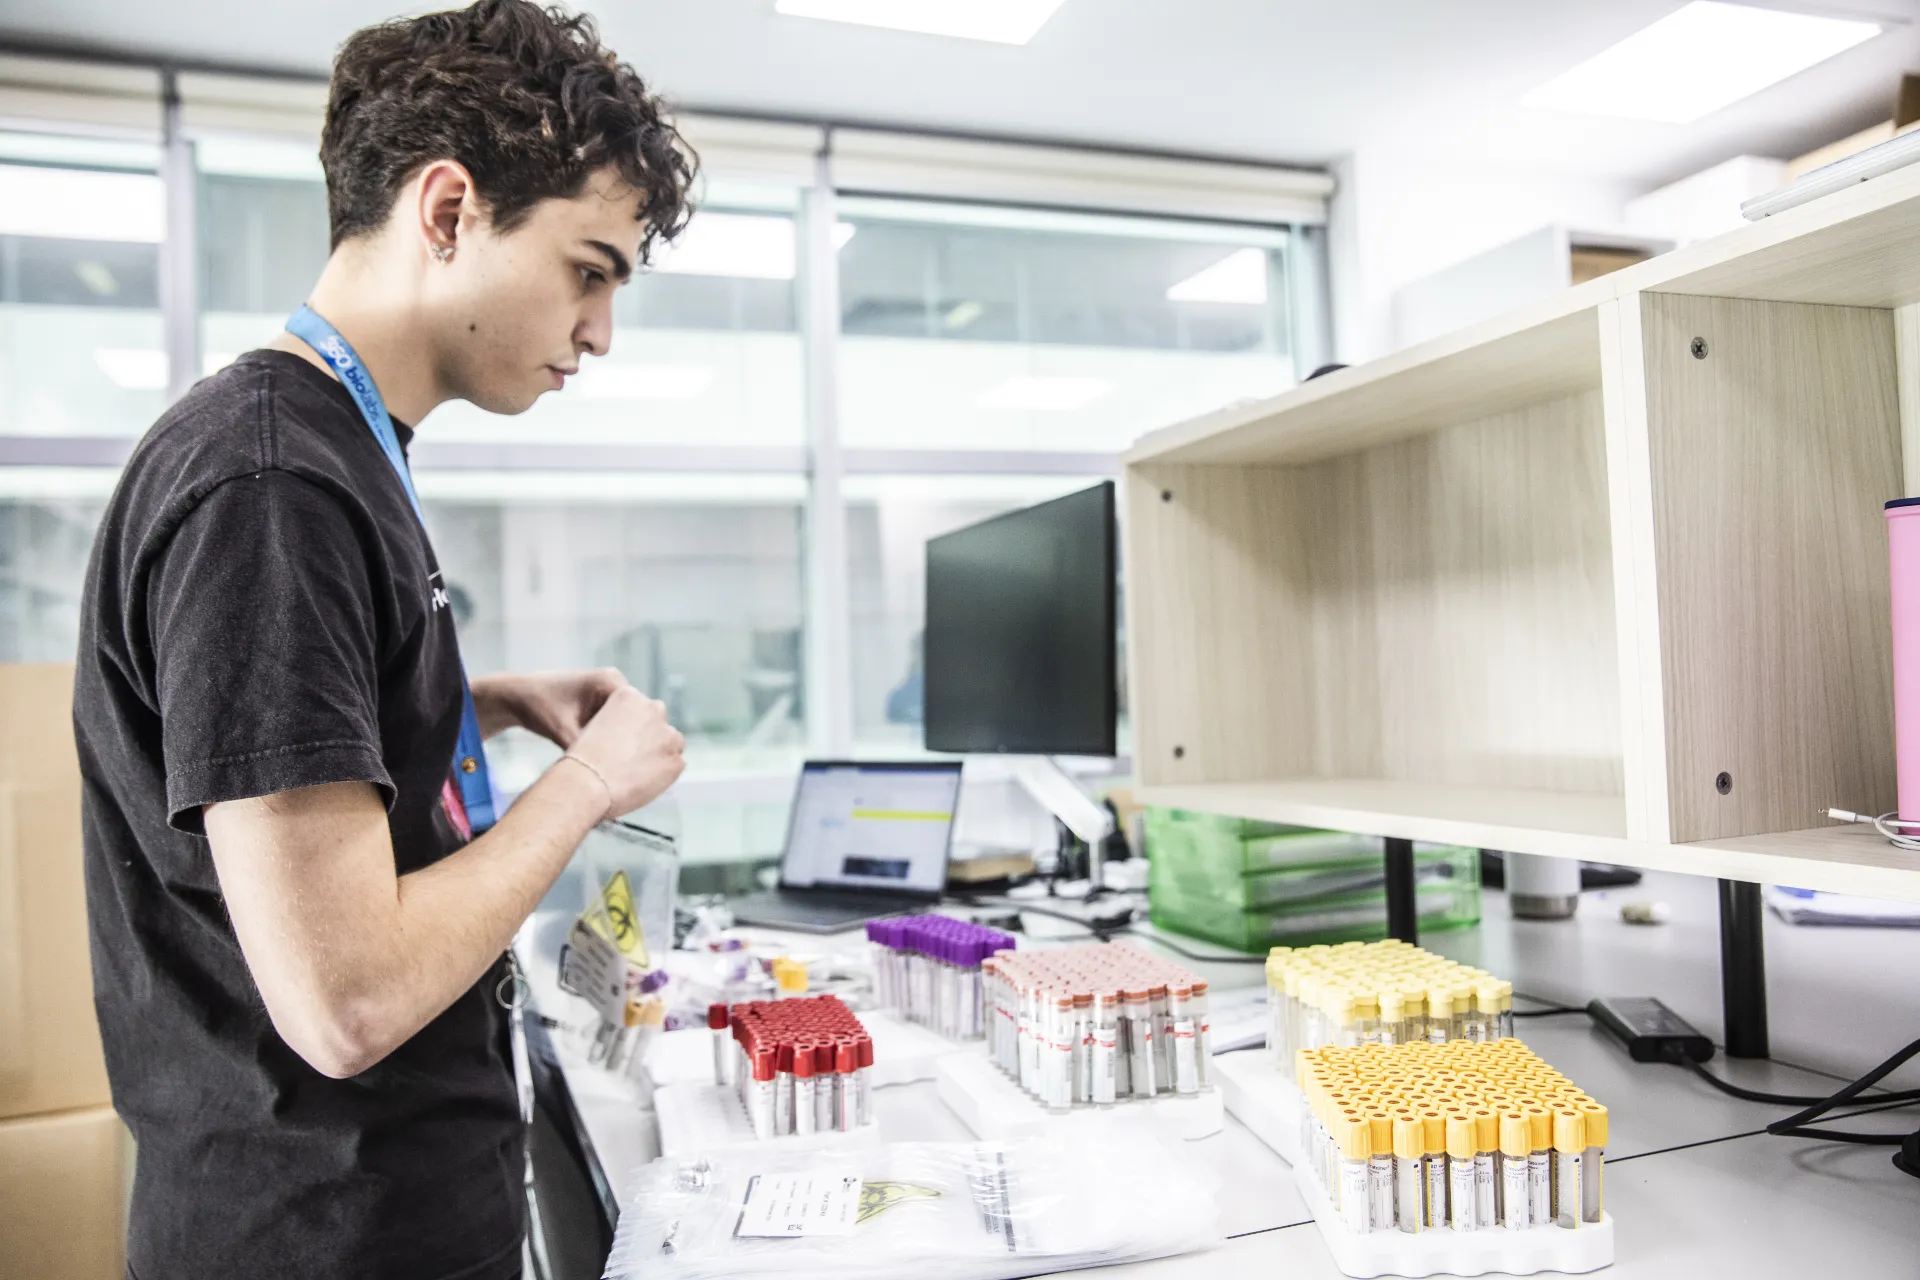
(446, 207)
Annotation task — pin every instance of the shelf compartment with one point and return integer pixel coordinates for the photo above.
(1541, 353)
(1436, 609)
(1771, 453)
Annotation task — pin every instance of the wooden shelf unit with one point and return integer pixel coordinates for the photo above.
(1605, 577)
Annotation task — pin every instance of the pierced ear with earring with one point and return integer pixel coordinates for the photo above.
(443, 253)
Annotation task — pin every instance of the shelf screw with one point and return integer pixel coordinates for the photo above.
(1166, 495)
(1179, 753)
(1699, 348)
(1724, 784)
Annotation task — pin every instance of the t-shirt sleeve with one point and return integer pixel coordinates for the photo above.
(262, 617)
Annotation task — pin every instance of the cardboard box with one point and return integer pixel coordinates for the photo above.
(50, 1056)
(36, 723)
(63, 1185)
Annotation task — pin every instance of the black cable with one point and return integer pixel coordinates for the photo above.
(1736, 1091)
(1549, 1012)
(1848, 1092)
(1846, 1135)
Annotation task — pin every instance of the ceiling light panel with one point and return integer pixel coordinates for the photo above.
(1239, 277)
(1698, 59)
(1045, 395)
(1000, 21)
(81, 204)
(745, 246)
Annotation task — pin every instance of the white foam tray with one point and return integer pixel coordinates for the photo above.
(993, 1106)
(1268, 1103)
(1259, 1097)
(1443, 1251)
(698, 1119)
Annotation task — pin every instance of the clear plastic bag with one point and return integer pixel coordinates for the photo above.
(935, 1211)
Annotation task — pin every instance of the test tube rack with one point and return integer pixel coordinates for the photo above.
(1386, 992)
(1098, 1025)
(799, 1066)
(928, 969)
(1455, 1159)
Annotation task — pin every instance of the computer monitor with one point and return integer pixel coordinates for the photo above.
(1020, 637)
(872, 825)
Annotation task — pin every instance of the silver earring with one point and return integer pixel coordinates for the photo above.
(443, 253)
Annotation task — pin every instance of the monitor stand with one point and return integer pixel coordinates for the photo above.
(1056, 791)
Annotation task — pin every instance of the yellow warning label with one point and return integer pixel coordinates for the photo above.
(613, 917)
(877, 1197)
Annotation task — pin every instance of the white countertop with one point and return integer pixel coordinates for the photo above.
(1692, 1185)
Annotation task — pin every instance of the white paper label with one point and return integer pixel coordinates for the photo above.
(786, 1205)
(593, 968)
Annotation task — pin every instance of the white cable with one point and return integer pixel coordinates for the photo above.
(1886, 825)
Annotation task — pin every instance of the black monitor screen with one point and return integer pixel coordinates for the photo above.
(1020, 631)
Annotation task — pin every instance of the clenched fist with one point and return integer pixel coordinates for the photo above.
(629, 743)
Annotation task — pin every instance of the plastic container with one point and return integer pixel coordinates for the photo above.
(1334, 901)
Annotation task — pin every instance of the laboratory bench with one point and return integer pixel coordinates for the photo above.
(1692, 1183)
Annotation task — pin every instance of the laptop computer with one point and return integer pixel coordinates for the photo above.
(866, 839)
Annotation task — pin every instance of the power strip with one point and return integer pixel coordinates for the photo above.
(1651, 1031)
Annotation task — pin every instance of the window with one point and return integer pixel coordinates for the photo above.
(986, 329)
(1001, 335)
(654, 516)
(80, 358)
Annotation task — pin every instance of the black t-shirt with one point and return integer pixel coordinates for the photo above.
(262, 612)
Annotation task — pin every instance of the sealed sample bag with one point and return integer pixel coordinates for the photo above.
(934, 1211)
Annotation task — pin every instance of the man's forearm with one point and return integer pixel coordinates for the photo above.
(495, 703)
(473, 901)
(351, 960)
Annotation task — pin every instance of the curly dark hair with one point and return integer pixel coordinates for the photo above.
(525, 97)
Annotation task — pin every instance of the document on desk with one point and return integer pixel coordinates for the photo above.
(1810, 906)
(1239, 1019)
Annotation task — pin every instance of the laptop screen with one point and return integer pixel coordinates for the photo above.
(872, 825)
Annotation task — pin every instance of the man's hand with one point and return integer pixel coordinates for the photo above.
(554, 704)
(631, 748)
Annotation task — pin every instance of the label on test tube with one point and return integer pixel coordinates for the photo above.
(1186, 1061)
(1353, 1143)
(806, 1106)
(824, 1061)
(1460, 1173)
(1593, 1161)
(1486, 1139)
(1140, 1059)
(863, 1082)
(1409, 1174)
(760, 1095)
(846, 1101)
(1380, 1173)
(1569, 1141)
(1539, 1167)
(1105, 1043)
(783, 1091)
(1515, 1192)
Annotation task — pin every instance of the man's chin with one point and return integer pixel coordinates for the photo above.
(508, 404)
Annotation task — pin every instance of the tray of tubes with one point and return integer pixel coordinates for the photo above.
(1459, 1158)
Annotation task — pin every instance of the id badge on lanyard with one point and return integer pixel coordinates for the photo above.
(469, 755)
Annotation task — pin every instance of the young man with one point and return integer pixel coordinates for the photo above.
(299, 916)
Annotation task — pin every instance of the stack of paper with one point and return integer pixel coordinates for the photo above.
(1809, 906)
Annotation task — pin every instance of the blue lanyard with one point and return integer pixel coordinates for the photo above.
(470, 756)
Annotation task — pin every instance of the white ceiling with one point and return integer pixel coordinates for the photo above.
(1301, 81)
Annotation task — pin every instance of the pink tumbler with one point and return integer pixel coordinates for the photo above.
(1903, 542)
